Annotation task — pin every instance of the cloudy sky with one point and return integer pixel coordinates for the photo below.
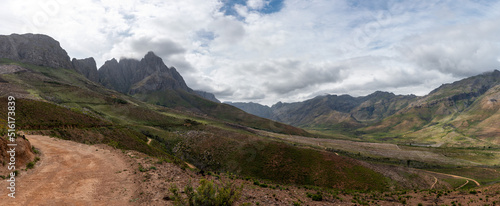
(279, 50)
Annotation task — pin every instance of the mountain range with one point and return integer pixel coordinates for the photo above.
(148, 79)
(460, 113)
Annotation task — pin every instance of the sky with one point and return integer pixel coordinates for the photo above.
(267, 51)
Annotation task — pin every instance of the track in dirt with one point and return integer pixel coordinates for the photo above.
(454, 176)
(71, 173)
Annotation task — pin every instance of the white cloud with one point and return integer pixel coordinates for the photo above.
(256, 4)
(461, 50)
(307, 48)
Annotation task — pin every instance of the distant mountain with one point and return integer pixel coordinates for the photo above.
(332, 109)
(254, 108)
(462, 113)
(207, 95)
(465, 112)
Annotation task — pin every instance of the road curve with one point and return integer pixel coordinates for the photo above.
(455, 176)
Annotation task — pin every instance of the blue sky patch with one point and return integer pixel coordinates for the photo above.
(271, 6)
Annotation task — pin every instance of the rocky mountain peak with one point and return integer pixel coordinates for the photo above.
(496, 73)
(87, 67)
(35, 49)
(133, 76)
(151, 56)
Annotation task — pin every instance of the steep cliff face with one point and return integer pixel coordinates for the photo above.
(87, 67)
(35, 49)
(132, 76)
(117, 76)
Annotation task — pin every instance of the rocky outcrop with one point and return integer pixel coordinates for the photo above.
(87, 67)
(207, 95)
(34, 49)
(132, 76)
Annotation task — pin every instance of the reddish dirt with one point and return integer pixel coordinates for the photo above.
(71, 173)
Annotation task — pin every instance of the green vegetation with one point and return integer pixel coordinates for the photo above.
(30, 165)
(207, 193)
(316, 197)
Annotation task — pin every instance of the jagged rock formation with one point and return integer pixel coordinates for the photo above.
(132, 76)
(35, 49)
(87, 67)
(150, 74)
(128, 76)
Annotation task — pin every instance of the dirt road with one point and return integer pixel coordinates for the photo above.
(71, 173)
(454, 176)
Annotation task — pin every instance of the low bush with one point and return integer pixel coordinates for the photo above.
(207, 194)
(30, 165)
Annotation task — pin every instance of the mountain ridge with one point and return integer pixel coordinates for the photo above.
(148, 80)
(463, 109)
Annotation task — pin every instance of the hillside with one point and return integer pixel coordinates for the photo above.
(459, 114)
(330, 110)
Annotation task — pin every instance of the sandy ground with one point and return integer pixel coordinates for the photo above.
(71, 173)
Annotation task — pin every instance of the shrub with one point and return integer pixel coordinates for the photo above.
(142, 169)
(207, 194)
(30, 165)
(316, 197)
(35, 150)
(119, 101)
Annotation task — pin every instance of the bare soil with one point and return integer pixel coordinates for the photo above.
(71, 173)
